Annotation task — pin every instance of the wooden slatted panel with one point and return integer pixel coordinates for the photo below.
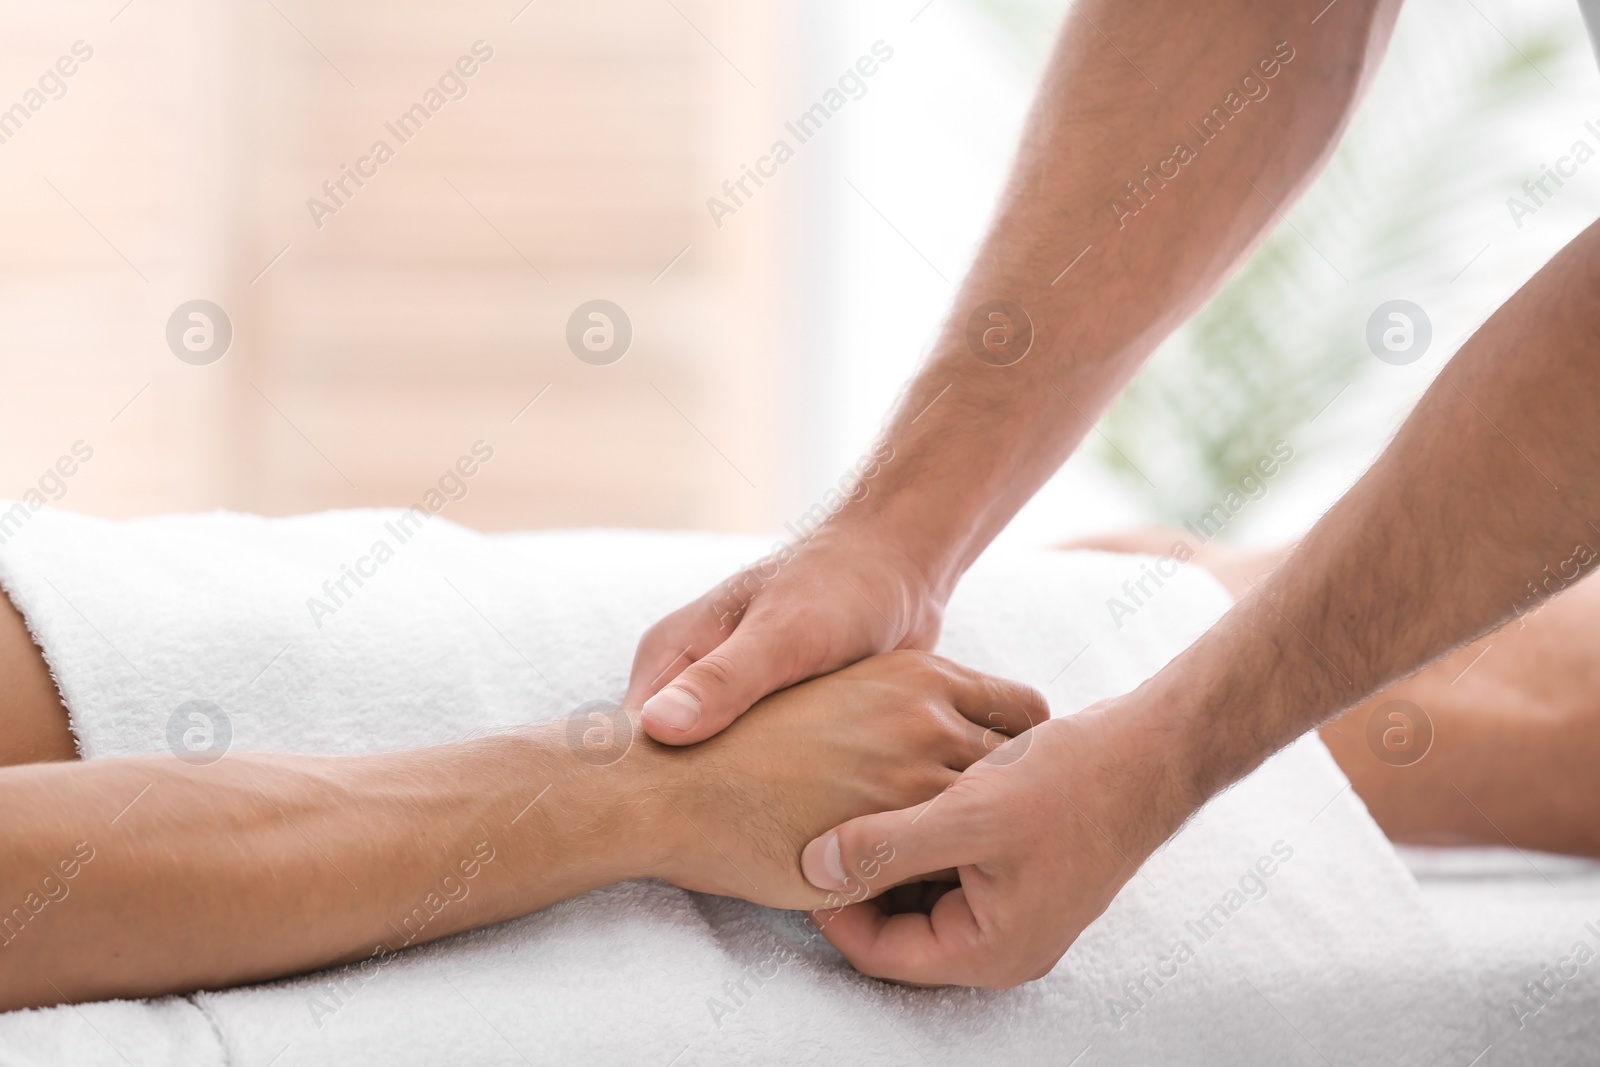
(432, 306)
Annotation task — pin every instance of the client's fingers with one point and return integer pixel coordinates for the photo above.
(721, 685)
(993, 703)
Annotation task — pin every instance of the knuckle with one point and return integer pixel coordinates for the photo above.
(922, 781)
(936, 668)
(712, 671)
(1030, 702)
(907, 711)
(1013, 700)
(791, 625)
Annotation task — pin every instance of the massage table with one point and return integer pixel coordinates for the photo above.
(1278, 927)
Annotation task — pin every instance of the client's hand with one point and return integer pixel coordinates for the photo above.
(882, 735)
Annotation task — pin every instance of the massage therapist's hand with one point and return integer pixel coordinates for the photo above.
(888, 732)
(1042, 834)
(839, 597)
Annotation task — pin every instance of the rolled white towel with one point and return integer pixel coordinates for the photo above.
(1277, 927)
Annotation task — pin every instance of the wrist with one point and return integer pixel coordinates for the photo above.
(1245, 689)
(929, 546)
(968, 446)
(1150, 754)
(604, 808)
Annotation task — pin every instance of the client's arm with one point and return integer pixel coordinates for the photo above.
(138, 876)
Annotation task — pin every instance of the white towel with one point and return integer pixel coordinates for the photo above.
(1330, 957)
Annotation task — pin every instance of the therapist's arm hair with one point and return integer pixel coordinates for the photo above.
(141, 876)
(1166, 140)
(1485, 505)
(1494, 744)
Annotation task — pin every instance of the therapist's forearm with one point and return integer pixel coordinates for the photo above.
(963, 466)
(1484, 505)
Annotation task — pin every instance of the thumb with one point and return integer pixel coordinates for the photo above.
(719, 687)
(945, 945)
(863, 857)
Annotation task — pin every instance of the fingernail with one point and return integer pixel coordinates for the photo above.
(674, 708)
(831, 861)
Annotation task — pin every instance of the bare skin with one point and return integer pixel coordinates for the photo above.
(140, 876)
(1515, 730)
(35, 721)
(1516, 724)
(1108, 238)
(973, 435)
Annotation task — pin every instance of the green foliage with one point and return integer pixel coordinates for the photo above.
(1283, 337)
(1031, 24)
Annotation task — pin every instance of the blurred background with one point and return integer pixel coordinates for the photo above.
(377, 338)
